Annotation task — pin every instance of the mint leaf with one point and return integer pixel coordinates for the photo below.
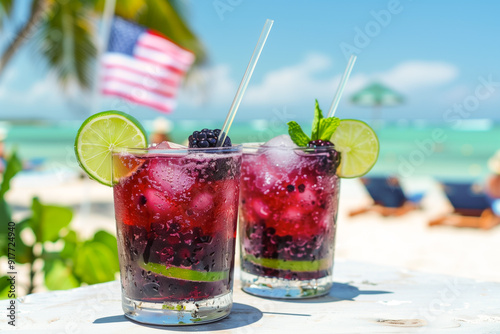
(327, 127)
(298, 136)
(318, 116)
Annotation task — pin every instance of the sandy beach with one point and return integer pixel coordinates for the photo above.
(404, 242)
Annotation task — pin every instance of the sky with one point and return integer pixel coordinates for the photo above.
(443, 56)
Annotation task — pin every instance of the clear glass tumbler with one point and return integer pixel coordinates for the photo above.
(287, 220)
(176, 214)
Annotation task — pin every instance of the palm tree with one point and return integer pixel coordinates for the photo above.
(64, 32)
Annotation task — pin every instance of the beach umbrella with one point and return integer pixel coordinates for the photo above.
(376, 96)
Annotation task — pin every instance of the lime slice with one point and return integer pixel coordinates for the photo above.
(358, 146)
(99, 135)
(184, 274)
(299, 266)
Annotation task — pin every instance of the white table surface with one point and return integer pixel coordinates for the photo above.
(366, 298)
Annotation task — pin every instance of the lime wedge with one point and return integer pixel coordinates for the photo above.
(99, 135)
(184, 274)
(358, 146)
(299, 266)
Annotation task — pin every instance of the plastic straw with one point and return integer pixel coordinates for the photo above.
(244, 82)
(343, 82)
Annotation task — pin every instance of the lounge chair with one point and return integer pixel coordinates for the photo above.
(388, 197)
(472, 207)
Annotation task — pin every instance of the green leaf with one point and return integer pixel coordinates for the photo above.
(109, 241)
(318, 116)
(4, 221)
(92, 263)
(70, 245)
(58, 276)
(298, 136)
(48, 220)
(327, 127)
(23, 252)
(14, 165)
(4, 287)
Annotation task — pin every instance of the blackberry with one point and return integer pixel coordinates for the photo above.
(207, 138)
(319, 143)
(332, 162)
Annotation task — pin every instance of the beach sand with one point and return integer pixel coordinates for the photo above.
(405, 241)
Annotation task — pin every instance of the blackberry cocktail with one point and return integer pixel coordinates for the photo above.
(289, 200)
(288, 210)
(176, 212)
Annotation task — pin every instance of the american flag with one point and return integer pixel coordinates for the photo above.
(143, 66)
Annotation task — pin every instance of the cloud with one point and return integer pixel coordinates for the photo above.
(41, 98)
(305, 80)
(296, 83)
(412, 75)
(42, 91)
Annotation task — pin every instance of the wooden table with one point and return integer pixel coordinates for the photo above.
(366, 298)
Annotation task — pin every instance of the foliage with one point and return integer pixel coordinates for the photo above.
(13, 167)
(65, 32)
(65, 40)
(74, 262)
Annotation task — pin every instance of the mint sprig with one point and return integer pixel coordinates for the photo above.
(322, 128)
(298, 136)
(318, 116)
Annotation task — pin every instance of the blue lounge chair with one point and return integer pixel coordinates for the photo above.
(388, 197)
(472, 207)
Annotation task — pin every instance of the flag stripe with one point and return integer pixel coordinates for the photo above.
(140, 67)
(165, 45)
(162, 60)
(169, 92)
(152, 53)
(139, 95)
(154, 82)
(147, 103)
(157, 56)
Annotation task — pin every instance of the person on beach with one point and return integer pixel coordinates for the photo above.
(161, 130)
(493, 181)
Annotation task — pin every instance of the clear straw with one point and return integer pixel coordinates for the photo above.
(244, 82)
(343, 82)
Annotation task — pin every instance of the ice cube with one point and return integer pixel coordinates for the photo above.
(281, 141)
(280, 153)
(170, 177)
(307, 199)
(202, 202)
(157, 203)
(260, 208)
(268, 178)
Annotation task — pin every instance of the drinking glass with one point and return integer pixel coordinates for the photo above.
(176, 214)
(287, 220)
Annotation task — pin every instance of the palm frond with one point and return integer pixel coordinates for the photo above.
(5, 10)
(66, 41)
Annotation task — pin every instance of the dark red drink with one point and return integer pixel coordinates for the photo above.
(176, 220)
(288, 209)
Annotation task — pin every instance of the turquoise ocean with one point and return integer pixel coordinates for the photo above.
(411, 149)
